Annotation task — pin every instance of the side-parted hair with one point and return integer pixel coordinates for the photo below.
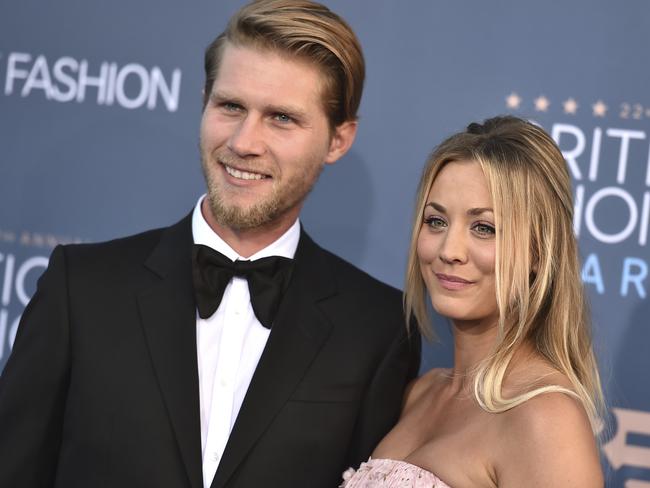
(307, 31)
(539, 291)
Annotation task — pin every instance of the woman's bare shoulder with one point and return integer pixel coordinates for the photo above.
(528, 371)
(548, 441)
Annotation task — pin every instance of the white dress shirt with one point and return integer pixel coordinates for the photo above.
(229, 345)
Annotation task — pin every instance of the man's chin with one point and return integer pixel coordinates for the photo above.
(242, 217)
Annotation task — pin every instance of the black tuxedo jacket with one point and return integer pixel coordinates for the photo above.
(101, 389)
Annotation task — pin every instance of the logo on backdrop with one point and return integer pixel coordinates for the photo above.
(609, 160)
(618, 451)
(23, 258)
(67, 79)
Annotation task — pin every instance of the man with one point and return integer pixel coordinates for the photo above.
(115, 380)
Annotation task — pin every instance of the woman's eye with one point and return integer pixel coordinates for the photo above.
(484, 230)
(435, 222)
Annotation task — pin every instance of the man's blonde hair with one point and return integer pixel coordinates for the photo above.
(307, 31)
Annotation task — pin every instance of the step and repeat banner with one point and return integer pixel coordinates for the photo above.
(99, 112)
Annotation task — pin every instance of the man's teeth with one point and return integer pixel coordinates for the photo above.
(243, 175)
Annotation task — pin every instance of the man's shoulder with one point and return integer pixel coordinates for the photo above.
(368, 305)
(122, 247)
(132, 248)
(352, 279)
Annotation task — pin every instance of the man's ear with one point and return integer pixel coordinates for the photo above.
(342, 140)
(204, 102)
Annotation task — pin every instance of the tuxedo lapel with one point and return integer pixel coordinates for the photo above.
(169, 321)
(298, 334)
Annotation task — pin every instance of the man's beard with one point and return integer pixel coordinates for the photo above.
(283, 197)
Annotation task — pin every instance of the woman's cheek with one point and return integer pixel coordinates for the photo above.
(426, 246)
(485, 258)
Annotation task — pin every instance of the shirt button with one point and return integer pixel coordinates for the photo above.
(223, 382)
(215, 456)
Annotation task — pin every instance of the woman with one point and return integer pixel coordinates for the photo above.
(494, 246)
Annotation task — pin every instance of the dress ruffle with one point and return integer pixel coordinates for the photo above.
(388, 473)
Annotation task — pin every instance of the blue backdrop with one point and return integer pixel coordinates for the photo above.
(99, 112)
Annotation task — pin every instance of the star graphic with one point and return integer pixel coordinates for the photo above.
(513, 101)
(542, 103)
(599, 108)
(570, 106)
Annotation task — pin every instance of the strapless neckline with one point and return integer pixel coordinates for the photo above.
(390, 473)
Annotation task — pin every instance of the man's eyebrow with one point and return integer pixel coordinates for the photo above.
(286, 109)
(216, 96)
(293, 111)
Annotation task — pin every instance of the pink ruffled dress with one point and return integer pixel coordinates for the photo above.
(388, 473)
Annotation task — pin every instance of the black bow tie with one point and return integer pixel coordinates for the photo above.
(267, 278)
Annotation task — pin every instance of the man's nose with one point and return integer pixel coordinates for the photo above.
(247, 138)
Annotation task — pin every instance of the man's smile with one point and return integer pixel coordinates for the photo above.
(243, 175)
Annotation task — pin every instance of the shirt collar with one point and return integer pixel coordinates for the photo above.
(285, 245)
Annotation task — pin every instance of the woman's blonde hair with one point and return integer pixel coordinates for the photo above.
(539, 292)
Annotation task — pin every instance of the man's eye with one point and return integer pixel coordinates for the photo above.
(230, 107)
(282, 117)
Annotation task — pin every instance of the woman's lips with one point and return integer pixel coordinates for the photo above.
(451, 282)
